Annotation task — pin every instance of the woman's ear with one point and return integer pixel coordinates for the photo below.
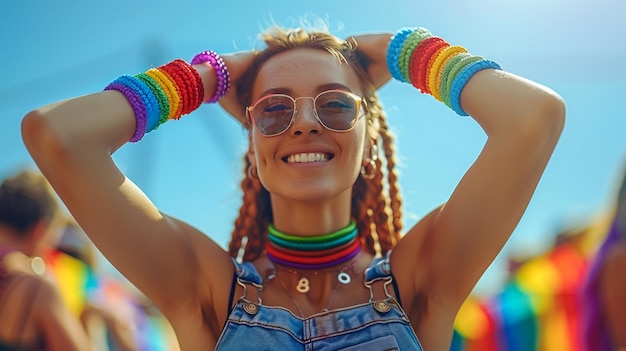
(251, 159)
(370, 151)
(251, 154)
(370, 156)
(253, 173)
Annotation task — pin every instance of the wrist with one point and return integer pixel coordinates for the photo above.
(160, 94)
(221, 80)
(208, 76)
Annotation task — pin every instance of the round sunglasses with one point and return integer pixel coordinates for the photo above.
(336, 110)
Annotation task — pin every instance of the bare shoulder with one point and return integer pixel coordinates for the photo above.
(24, 281)
(31, 298)
(47, 293)
(414, 246)
(37, 291)
(411, 262)
(213, 259)
(215, 271)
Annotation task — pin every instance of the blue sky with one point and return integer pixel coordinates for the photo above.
(191, 168)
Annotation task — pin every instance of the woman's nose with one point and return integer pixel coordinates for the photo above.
(305, 120)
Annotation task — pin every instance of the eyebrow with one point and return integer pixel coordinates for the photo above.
(319, 89)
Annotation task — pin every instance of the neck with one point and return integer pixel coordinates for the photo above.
(313, 252)
(311, 217)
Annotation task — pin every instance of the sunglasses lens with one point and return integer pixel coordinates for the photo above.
(273, 114)
(337, 110)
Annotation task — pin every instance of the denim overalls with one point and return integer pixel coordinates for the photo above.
(374, 326)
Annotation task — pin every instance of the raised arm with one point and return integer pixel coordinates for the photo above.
(72, 142)
(523, 121)
(446, 253)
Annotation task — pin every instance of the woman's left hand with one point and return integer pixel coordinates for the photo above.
(374, 46)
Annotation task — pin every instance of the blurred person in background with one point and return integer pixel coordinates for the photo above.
(33, 315)
(604, 294)
(116, 316)
(104, 304)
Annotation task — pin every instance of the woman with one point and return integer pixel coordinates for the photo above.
(33, 315)
(316, 209)
(604, 303)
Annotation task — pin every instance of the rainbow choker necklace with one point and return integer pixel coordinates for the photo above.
(317, 252)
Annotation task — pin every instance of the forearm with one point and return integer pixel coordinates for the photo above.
(128, 108)
(509, 105)
(102, 121)
(502, 103)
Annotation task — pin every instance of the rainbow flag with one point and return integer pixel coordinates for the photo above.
(538, 308)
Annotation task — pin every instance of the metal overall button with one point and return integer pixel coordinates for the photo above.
(382, 306)
(250, 308)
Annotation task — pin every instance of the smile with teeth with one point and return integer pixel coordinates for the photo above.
(308, 157)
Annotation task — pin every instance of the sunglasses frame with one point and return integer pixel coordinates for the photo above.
(360, 101)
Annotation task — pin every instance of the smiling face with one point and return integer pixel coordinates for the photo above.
(307, 162)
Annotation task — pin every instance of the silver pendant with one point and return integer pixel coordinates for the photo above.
(344, 278)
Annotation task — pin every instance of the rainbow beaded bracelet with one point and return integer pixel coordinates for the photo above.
(432, 65)
(160, 94)
(138, 104)
(462, 78)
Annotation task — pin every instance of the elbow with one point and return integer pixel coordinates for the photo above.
(33, 129)
(543, 123)
(40, 141)
(552, 115)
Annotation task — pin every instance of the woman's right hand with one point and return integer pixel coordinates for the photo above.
(237, 64)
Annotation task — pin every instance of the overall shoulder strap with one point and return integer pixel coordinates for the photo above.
(378, 269)
(247, 273)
